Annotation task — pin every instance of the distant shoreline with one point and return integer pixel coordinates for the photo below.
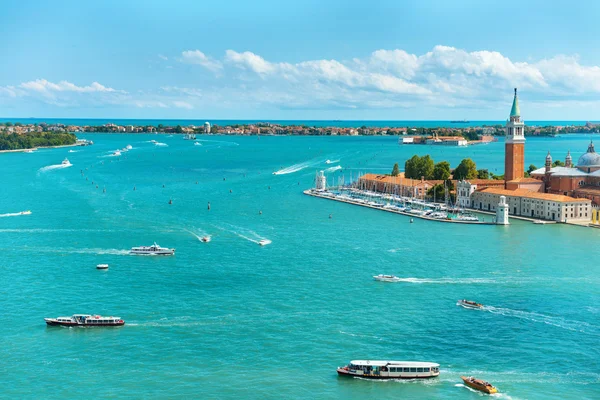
(37, 148)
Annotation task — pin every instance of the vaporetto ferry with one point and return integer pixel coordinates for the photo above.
(375, 369)
(85, 320)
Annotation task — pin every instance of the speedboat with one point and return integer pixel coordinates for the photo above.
(197, 144)
(386, 278)
(478, 384)
(469, 304)
(205, 239)
(328, 162)
(153, 141)
(66, 162)
(116, 153)
(128, 147)
(28, 151)
(25, 212)
(264, 242)
(102, 266)
(154, 250)
(374, 369)
(85, 320)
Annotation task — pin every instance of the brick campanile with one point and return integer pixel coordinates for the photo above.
(514, 149)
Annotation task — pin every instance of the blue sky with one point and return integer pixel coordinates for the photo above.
(299, 59)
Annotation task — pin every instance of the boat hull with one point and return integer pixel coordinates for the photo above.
(481, 388)
(52, 322)
(343, 372)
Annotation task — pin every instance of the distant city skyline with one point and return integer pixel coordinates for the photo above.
(264, 60)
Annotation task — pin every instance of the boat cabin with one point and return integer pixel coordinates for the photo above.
(391, 369)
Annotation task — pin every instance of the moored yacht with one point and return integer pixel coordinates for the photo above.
(154, 250)
(189, 136)
(376, 369)
(85, 320)
(386, 278)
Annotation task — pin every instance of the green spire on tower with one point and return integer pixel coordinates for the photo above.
(515, 111)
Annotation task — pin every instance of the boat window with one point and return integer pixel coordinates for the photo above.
(413, 370)
(425, 369)
(406, 369)
(392, 369)
(419, 369)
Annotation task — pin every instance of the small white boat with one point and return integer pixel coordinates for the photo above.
(102, 266)
(386, 278)
(328, 162)
(469, 304)
(25, 212)
(128, 147)
(205, 239)
(264, 242)
(197, 144)
(29, 151)
(153, 141)
(540, 222)
(66, 162)
(116, 153)
(72, 151)
(160, 144)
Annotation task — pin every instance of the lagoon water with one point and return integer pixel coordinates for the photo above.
(231, 319)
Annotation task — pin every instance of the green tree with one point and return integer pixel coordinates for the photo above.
(558, 163)
(531, 168)
(178, 129)
(395, 170)
(483, 174)
(441, 171)
(466, 170)
(417, 167)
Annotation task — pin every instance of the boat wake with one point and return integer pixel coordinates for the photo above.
(559, 322)
(116, 252)
(52, 167)
(333, 169)
(297, 167)
(199, 236)
(247, 234)
(160, 144)
(331, 161)
(445, 281)
(18, 214)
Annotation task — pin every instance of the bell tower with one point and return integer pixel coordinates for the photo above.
(514, 149)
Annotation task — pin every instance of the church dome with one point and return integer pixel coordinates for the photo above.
(589, 159)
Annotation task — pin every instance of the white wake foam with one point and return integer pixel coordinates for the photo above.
(244, 233)
(442, 281)
(161, 144)
(297, 167)
(52, 167)
(198, 236)
(332, 169)
(13, 214)
(331, 161)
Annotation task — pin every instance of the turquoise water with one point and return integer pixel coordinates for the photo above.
(231, 319)
(225, 122)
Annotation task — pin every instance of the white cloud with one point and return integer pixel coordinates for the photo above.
(183, 104)
(163, 57)
(44, 86)
(199, 58)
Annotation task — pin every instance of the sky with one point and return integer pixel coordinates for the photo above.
(263, 59)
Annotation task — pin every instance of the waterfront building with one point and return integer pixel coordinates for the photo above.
(466, 188)
(580, 181)
(399, 185)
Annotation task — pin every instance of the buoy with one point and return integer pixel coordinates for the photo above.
(196, 182)
(330, 216)
(104, 190)
(229, 190)
(269, 187)
(209, 205)
(86, 179)
(411, 221)
(134, 188)
(96, 186)
(260, 212)
(170, 201)
(163, 186)
(223, 178)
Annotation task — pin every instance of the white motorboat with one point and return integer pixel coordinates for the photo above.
(469, 304)
(28, 151)
(264, 242)
(25, 212)
(154, 250)
(189, 136)
(540, 222)
(379, 369)
(102, 266)
(197, 144)
(386, 278)
(129, 147)
(205, 239)
(116, 153)
(328, 162)
(66, 162)
(153, 141)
